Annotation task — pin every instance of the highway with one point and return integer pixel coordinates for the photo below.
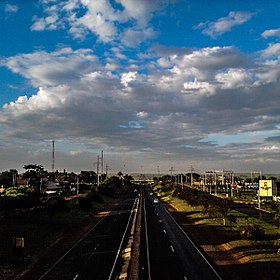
(95, 256)
(166, 251)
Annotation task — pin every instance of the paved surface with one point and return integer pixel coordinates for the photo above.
(171, 254)
(93, 256)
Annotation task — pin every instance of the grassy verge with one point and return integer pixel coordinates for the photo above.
(250, 250)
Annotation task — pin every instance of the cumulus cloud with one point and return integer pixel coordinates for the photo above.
(235, 78)
(224, 24)
(9, 8)
(50, 69)
(99, 17)
(176, 102)
(273, 50)
(271, 33)
(133, 37)
(128, 77)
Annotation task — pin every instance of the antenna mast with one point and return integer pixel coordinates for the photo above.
(53, 155)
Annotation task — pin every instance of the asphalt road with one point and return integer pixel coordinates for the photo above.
(94, 256)
(166, 251)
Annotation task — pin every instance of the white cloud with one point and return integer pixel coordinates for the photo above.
(101, 18)
(141, 11)
(133, 37)
(47, 23)
(198, 87)
(235, 78)
(271, 33)
(50, 69)
(128, 77)
(273, 50)
(224, 24)
(177, 103)
(142, 115)
(11, 8)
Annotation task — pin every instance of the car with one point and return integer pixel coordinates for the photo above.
(151, 193)
(156, 200)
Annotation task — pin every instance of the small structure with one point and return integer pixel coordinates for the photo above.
(50, 187)
(18, 248)
(269, 190)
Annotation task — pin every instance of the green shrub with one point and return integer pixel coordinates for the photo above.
(252, 231)
(95, 197)
(84, 202)
(231, 219)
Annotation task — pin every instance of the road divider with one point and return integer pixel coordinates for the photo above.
(130, 254)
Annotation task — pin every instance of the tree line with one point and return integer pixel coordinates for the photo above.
(25, 194)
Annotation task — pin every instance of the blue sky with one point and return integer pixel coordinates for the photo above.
(153, 84)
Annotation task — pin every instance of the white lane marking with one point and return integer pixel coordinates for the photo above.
(164, 231)
(160, 221)
(124, 234)
(194, 246)
(76, 277)
(172, 249)
(185, 278)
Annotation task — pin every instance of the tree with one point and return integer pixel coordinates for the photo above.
(89, 177)
(110, 186)
(252, 231)
(9, 178)
(223, 207)
(33, 174)
(22, 197)
(54, 205)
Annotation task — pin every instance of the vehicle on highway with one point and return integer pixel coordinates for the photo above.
(156, 200)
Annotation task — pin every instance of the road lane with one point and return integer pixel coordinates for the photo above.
(94, 256)
(163, 261)
(172, 253)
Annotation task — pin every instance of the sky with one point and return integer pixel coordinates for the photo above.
(156, 85)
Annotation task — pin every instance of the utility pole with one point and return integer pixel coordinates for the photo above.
(53, 155)
(171, 171)
(191, 169)
(78, 185)
(102, 162)
(107, 168)
(97, 170)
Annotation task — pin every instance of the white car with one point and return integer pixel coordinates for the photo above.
(156, 200)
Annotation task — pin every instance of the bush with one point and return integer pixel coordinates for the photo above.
(54, 205)
(95, 197)
(252, 231)
(232, 219)
(84, 203)
(274, 206)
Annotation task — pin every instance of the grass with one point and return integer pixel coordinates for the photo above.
(247, 250)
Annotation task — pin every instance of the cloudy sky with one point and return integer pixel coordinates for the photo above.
(154, 84)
